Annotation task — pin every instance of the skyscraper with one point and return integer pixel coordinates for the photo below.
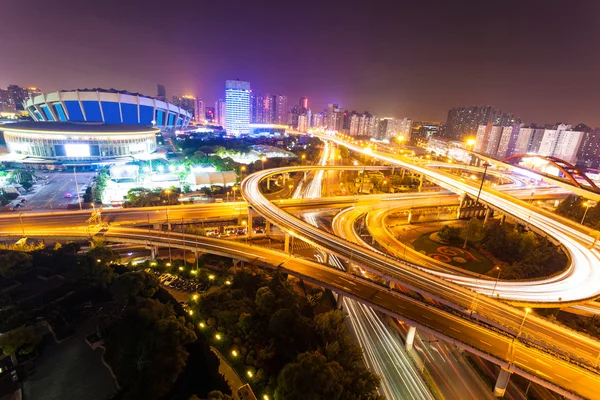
(282, 110)
(271, 108)
(237, 107)
(199, 111)
(220, 112)
(303, 103)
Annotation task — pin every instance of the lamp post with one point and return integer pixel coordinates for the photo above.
(303, 158)
(496, 283)
(242, 169)
(22, 227)
(234, 189)
(587, 207)
(527, 311)
(168, 192)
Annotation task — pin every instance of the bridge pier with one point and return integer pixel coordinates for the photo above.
(153, 252)
(409, 216)
(250, 221)
(487, 215)
(286, 245)
(340, 302)
(502, 382)
(410, 337)
(268, 229)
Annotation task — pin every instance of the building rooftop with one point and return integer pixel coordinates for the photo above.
(84, 128)
(111, 90)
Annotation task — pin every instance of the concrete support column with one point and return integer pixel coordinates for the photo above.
(487, 215)
(502, 382)
(439, 210)
(420, 182)
(268, 229)
(391, 284)
(410, 337)
(409, 216)
(340, 301)
(250, 228)
(286, 246)
(153, 252)
(325, 258)
(268, 183)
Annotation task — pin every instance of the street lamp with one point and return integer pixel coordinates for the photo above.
(470, 143)
(263, 159)
(587, 207)
(234, 189)
(527, 311)
(242, 170)
(303, 158)
(497, 279)
(168, 192)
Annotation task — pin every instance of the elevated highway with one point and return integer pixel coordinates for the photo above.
(502, 316)
(502, 348)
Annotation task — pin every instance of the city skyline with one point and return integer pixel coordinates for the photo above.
(394, 69)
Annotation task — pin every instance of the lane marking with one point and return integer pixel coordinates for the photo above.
(562, 377)
(485, 342)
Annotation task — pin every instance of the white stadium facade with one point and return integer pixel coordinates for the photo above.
(78, 142)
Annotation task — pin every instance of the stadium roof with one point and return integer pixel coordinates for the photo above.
(111, 90)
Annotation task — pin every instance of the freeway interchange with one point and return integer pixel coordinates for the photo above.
(546, 353)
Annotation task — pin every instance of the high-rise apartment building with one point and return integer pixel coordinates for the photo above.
(317, 120)
(589, 151)
(508, 141)
(210, 114)
(463, 122)
(199, 111)
(303, 123)
(19, 95)
(404, 129)
(220, 112)
(281, 110)
(494, 140)
(7, 103)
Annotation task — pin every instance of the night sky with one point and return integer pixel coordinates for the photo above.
(539, 60)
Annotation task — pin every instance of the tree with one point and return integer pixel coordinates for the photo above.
(449, 233)
(265, 301)
(146, 349)
(18, 341)
(217, 395)
(130, 285)
(312, 377)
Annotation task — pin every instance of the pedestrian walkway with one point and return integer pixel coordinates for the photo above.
(233, 379)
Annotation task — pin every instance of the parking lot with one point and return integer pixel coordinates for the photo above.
(54, 190)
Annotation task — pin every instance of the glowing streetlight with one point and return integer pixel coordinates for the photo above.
(181, 268)
(195, 296)
(497, 278)
(249, 373)
(303, 158)
(98, 260)
(168, 264)
(191, 312)
(242, 170)
(202, 325)
(470, 143)
(263, 159)
(527, 311)
(587, 207)
(234, 353)
(228, 283)
(211, 277)
(218, 336)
